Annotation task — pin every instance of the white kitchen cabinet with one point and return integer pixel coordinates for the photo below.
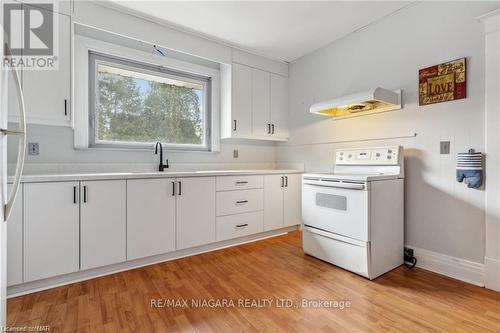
(261, 125)
(150, 217)
(282, 201)
(241, 120)
(254, 105)
(279, 106)
(102, 223)
(292, 200)
(50, 229)
(195, 222)
(15, 241)
(47, 93)
(273, 201)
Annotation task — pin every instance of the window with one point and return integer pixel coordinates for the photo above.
(134, 105)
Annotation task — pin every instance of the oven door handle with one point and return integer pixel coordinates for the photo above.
(350, 186)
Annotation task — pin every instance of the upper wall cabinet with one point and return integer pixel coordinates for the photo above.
(47, 93)
(254, 104)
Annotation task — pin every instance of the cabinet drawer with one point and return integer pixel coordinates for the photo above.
(228, 183)
(239, 225)
(235, 202)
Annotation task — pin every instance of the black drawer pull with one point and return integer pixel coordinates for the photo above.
(234, 127)
(74, 194)
(241, 201)
(241, 182)
(173, 188)
(241, 225)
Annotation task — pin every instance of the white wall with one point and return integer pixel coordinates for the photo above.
(57, 154)
(441, 215)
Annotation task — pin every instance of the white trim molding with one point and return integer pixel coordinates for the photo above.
(83, 45)
(491, 23)
(457, 268)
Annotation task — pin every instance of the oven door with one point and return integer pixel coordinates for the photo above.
(337, 207)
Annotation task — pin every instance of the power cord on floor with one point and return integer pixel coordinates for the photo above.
(409, 259)
(412, 264)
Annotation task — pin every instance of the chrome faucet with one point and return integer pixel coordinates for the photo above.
(162, 166)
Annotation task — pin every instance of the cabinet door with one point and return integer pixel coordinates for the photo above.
(242, 100)
(273, 201)
(102, 223)
(50, 229)
(150, 217)
(279, 106)
(292, 200)
(15, 241)
(260, 103)
(47, 92)
(195, 221)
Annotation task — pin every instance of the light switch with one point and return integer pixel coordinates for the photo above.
(235, 153)
(444, 147)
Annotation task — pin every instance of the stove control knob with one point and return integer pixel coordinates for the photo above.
(349, 156)
(389, 151)
(377, 154)
(389, 157)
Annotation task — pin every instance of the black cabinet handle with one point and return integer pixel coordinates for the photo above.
(234, 127)
(286, 181)
(241, 225)
(65, 107)
(180, 188)
(241, 182)
(85, 194)
(282, 181)
(74, 194)
(241, 201)
(272, 126)
(268, 128)
(173, 188)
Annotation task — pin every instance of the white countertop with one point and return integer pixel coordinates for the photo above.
(35, 178)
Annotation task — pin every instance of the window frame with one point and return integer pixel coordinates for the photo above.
(95, 58)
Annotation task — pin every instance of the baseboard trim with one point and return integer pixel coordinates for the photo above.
(457, 268)
(57, 281)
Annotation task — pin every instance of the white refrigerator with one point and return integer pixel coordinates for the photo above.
(7, 198)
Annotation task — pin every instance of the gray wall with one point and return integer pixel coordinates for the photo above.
(441, 214)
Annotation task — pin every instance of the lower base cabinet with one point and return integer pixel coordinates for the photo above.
(58, 228)
(103, 223)
(50, 229)
(239, 225)
(150, 217)
(195, 218)
(282, 201)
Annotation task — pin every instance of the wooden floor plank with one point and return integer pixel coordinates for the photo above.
(275, 268)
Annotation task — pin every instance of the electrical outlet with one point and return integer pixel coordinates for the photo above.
(444, 147)
(408, 254)
(33, 148)
(235, 153)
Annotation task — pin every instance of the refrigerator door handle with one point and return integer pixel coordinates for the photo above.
(22, 140)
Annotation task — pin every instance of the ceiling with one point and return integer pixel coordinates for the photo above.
(284, 30)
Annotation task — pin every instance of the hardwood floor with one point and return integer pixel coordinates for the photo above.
(276, 268)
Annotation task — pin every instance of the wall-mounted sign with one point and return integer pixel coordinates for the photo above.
(442, 83)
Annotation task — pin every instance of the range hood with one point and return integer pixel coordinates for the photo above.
(367, 102)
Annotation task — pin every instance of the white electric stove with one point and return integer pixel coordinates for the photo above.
(354, 217)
